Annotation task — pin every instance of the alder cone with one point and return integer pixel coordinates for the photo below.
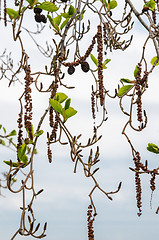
(63, 0)
(37, 10)
(71, 70)
(85, 66)
(38, 17)
(43, 18)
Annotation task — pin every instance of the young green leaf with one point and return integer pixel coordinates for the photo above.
(136, 71)
(12, 133)
(95, 60)
(150, 4)
(4, 130)
(124, 90)
(113, 4)
(67, 103)
(70, 112)
(60, 97)
(153, 60)
(56, 105)
(2, 142)
(21, 151)
(65, 15)
(71, 10)
(0, 126)
(125, 80)
(48, 6)
(24, 159)
(32, 2)
(12, 13)
(57, 20)
(64, 23)
(153, 148)
(38, 133)
(14, 164)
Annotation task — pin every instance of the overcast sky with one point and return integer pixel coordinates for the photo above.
(64, 202)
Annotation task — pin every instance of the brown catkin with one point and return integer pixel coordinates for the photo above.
(152, 180)
(55, 127)
(5, 13)
(138, 93)
(49, 153)
(90, 220)
(100, 64)
(138, 183)
(28, 102)
(81, 59)
(93, 104)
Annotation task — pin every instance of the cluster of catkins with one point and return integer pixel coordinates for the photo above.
(85, 66)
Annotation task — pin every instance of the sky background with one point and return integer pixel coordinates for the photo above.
(64, 202)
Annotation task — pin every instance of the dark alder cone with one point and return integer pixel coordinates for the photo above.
(85, 66)
(37, 10)
(63, 0)
(43, 18)
(71, 70)
(38, 17)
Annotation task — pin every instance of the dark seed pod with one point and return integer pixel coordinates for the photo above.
(85, 66)
(38, 17)
(43, 19)
(71, 70)
(37, 10)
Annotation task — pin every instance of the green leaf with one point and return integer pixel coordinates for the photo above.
(150, 4)
(125, 80)
(70, 112)
(124, 89)
(12, 13)
(24, 159)
(60, 97)
(56, 105)
(136, 71)
(2, 142)
(95, 60)
(21, 151)
(0, 126)
(113, 4)
(153, 60)
(71, 10)
(48, 6)
(105, 62)
(51, 20)
(64, 23)
(32, 2)
(13, 133)
(38, 133)
(4, 130)
(65, 15)
(14, 164)
(67, 103)
(57, 20)
(153, 148)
